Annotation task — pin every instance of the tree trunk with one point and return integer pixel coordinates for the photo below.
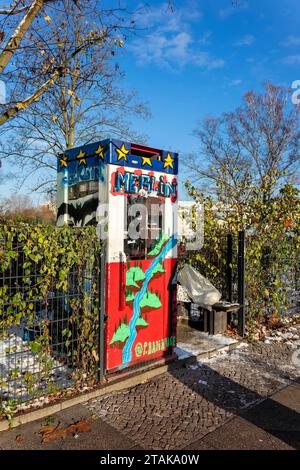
(19, 33)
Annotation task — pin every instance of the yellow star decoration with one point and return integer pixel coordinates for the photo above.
(81, 158)
(122, 153)
(146, 161)
(168, 161)
(100, 152)
(64, 161)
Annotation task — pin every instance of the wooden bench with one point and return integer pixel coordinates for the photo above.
(213, 320)
(216, 316)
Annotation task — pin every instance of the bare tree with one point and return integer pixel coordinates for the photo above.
(255, 146)
(47, 50)
(85, 103)
(30, 11)
(20, 206)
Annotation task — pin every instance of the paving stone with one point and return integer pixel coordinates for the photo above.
(170, 410)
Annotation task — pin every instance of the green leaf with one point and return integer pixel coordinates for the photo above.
(34, 346)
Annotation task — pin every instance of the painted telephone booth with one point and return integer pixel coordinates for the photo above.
(130, 191)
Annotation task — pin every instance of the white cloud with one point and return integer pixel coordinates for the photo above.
(246, 40)
(168, 21)
(292, 41)
(205, 39)
(169, 40)
(204, 59)
(163, 50)
(235, 82)
(235, 7)
(291, 59)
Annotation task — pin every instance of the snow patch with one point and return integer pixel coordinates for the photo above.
(22, 372)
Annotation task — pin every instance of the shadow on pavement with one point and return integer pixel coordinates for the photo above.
(278, 416)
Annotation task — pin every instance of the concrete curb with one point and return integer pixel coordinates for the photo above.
(116, 385)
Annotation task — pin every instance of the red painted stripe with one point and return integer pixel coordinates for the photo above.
(142, 149)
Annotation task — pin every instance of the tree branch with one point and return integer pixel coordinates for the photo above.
(19, 33)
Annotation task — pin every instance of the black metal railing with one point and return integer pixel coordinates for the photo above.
(263, 276)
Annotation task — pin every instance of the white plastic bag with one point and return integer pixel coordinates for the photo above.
(199, 289)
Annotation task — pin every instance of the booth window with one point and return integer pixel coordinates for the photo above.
(84, 188)
(149, 225)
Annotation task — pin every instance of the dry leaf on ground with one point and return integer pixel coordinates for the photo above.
(80, 426)
(51, 433)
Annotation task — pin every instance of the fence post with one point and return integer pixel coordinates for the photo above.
(102, 312)
(241, 283)
(229, 260)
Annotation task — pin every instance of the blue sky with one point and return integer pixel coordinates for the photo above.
(204, 56)
(200, 58)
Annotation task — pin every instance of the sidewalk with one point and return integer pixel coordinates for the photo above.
(101, 437)
(274, 424)
(246, 399)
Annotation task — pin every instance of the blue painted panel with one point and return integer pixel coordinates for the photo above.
(115, 152)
